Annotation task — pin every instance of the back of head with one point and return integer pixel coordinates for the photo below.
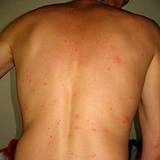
(115, 3)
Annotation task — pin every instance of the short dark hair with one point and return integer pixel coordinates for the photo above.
(125, 2)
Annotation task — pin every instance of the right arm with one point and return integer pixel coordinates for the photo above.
(6, 57)
(8, 37)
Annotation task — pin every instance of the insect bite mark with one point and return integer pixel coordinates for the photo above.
(125, 120)
(117, 59)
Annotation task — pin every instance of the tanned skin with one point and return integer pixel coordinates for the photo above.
(83, 69)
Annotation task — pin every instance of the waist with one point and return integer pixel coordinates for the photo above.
(56, 144)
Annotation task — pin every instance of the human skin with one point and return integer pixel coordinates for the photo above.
(83, 70)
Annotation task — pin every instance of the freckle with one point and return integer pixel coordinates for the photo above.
(110, 108)
(108, 68)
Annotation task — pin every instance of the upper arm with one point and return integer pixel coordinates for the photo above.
(6, 57)
(149, 111)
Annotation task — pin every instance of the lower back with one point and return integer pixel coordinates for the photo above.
(42, 142)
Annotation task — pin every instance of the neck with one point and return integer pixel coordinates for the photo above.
(115, 3)
(85, 2)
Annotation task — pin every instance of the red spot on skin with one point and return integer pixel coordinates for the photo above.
(93, 155)
(58, 123)
(44, 83)
(156, 145)
(69, 135)
(51, 140)
(87, 120)
(66, 41)
(63, 85)
(28, 77)
(71, 154)
(29, 80)
(126, 120)
(41, 106)
(77, 116)
(94, 129)
(117, 59)
(25, 111)
(105, 132)
(76, 127)
(33, 90)
(76, 49)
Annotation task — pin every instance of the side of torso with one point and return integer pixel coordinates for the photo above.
(79, 84)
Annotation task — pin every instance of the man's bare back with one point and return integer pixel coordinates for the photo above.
(80, 78)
